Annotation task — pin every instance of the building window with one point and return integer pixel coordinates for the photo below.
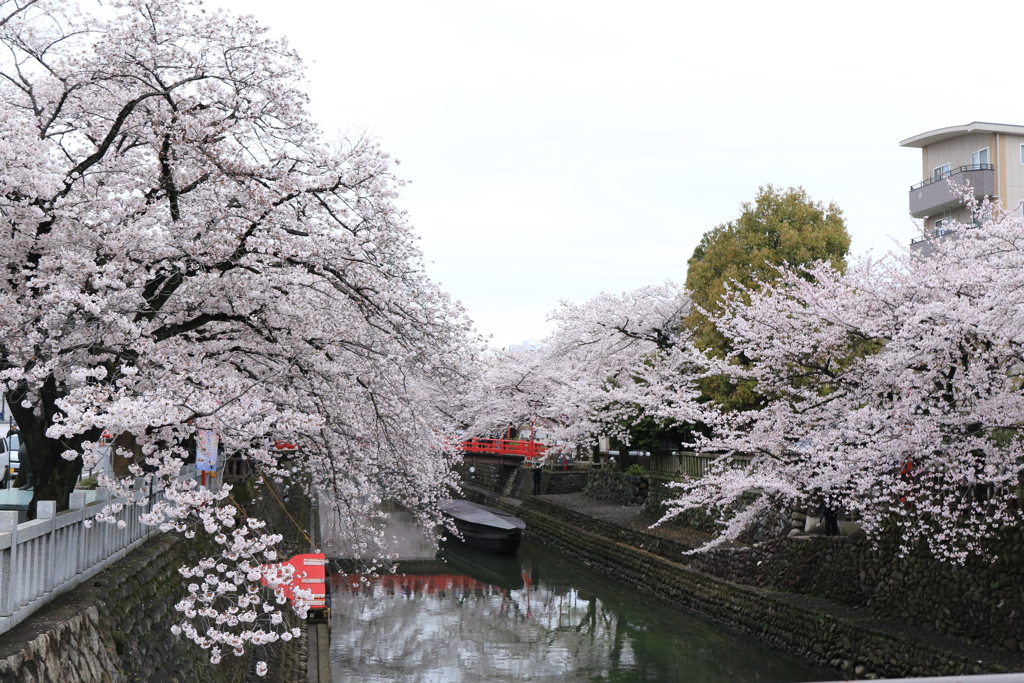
(942, 171)
(942, 226)
(1022, 153)
(980, 158)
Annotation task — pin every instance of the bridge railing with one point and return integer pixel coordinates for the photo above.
(527, 449)
(51, 554)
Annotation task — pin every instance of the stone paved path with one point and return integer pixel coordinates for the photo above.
(627, 516)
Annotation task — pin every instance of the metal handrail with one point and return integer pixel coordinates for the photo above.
(944, 231)
(528, 449)
(960, 169)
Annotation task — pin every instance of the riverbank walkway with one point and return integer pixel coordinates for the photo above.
(624, 524)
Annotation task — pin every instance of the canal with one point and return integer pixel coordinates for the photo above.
(469, 617)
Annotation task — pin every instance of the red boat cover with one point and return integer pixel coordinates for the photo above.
(311, 575)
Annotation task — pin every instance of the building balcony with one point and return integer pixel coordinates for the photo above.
(933, 196)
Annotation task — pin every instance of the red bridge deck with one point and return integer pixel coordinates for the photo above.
(501, 451)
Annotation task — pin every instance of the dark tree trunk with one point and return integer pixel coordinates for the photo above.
(123, 452)
(54, 477)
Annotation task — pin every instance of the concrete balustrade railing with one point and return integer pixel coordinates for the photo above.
(51, 554)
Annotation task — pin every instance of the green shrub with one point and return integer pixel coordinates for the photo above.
(636, 471)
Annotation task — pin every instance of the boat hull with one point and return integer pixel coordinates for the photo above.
(488, 538)
(484, 528)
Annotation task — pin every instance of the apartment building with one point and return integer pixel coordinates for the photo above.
(990, 156)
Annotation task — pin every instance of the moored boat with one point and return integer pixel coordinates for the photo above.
(484, 528)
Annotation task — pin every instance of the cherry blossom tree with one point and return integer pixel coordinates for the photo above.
(182, 250)
(609, 361)
(895, 391)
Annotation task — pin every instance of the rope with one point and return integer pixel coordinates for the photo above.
(281, 503)
(240, 509)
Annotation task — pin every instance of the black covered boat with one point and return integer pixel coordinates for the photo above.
(484, 528)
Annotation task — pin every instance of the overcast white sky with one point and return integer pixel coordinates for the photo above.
(560, 149)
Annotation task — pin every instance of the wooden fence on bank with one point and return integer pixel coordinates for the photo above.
(48, 556)
(690, 464)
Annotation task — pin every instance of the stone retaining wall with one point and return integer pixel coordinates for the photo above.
(859, 644)
(611, 486)
(116, 627)
(667, 548)
(515, 481)
(980, 602)
(490, 477)
(563, 481)
(788, 625)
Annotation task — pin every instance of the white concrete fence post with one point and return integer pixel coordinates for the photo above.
(75, 559)
(100, 535)
(45, 550)
(8, 527)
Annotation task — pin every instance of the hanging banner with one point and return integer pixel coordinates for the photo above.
(206, 451)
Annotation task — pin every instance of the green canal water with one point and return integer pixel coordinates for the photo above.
(537, 616)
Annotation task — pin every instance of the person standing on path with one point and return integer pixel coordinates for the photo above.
(536, 479)
(831, 517)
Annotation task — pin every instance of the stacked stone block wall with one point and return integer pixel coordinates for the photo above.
(522, 484)
(846, 641)
(563, 481)
(517, 482)
(611, 486)
(980, 601)
(490, 477)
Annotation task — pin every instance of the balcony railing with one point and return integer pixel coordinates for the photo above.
(936, 233)
(935, 196)
(959, 169)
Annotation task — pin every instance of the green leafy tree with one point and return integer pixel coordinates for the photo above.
(779, 227)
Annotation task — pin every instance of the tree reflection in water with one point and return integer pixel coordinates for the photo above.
(531, 617)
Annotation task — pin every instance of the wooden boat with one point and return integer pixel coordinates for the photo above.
(484, 528)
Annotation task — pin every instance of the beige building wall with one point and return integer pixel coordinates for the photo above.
(956, 151)
(1004, 153)
(960, 215)
(1005, 145)
(1010, 170)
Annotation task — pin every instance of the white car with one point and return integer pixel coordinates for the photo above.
(9, 448)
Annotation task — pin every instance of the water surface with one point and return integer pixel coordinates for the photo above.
(535, 616)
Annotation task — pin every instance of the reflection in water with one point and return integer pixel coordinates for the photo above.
(531, 617)
(398, 537)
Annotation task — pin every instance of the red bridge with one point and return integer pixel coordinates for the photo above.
(501, 451)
